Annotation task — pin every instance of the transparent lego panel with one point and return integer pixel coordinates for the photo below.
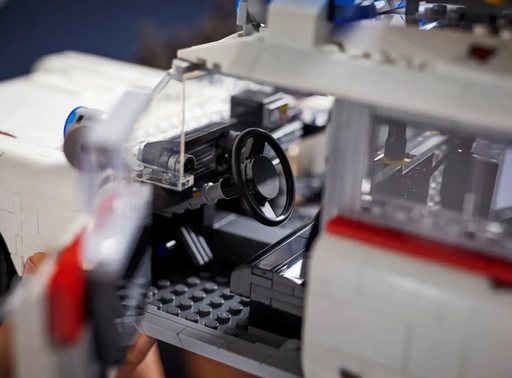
(443, 183)
(192, 102)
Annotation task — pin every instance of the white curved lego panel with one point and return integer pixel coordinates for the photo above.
(376, 313)
(39, 191)
(416, 72)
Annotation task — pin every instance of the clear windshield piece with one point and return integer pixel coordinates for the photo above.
(445, 183)
(185, 104)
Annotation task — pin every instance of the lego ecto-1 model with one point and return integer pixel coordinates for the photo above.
(410, 273)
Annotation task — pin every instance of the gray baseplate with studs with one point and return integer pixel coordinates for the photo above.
(201, 315)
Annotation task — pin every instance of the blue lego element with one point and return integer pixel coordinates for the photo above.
(344, 11)
(70, 119)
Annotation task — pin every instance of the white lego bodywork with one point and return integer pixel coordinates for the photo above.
(369, 311)
(38, 188)
(37, 197)
(403, 69)
(373, 312)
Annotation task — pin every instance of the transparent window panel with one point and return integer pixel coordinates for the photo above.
(441, 182)
(185, 105)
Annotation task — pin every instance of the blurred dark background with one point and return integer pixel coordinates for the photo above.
(142, 31)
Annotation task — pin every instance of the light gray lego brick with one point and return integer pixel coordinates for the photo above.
(268, 338)
(253, 358)
(239, 280)
(260, 298)
(289, 356)
(298, 291)
(194, 340)
(260, 358)
(162, 329)
(296, 310)
(284, 285)
(291, 346)
(256, 351)
(262, 272)
(262, 291)
(267, 362)
(260, 281)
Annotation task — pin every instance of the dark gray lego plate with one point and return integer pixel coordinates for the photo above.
(201, 315)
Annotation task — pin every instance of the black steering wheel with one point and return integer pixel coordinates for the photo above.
(258, 179)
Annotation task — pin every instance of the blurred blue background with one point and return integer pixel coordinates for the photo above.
(121, 29)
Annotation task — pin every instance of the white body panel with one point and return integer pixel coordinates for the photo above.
(369, 311)
(378, 313)
(38, 188)
(38, 197)
(422, 73)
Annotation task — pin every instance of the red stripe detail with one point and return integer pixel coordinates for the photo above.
(404, 243)
(66, 295)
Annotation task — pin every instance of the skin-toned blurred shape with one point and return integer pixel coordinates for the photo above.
(201, 367)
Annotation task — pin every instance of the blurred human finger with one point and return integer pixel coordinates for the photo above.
(135, 357)
(34, 262)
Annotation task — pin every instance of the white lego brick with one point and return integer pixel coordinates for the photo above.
(347, 327)
(29, 223)
(30, 198)
(391, 278)
(337, 267)
(56, 185)
(297, 23)
(19, 245)
(493, 309)
(100, 70)
(31, 246)
(448, 291)
(443, 314)
(18, 263)
(23, 165)
(54, 222)
(435, 350)
(10, 226)
(489, 348)
(448, 82)
(429, 290)
(320, 361)
(10, 202)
